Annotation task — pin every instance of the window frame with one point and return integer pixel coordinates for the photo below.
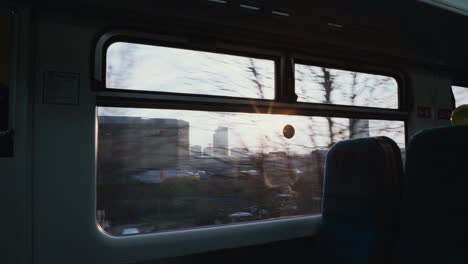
(179, 42)
(281, 104)
(284, 81)
(359, 67)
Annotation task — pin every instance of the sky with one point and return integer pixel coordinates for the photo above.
(177, 70)
(460, 94)
(152, 68)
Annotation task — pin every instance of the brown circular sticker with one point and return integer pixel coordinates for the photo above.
(288, 131)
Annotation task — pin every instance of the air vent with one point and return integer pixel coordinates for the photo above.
(250, 7)
(335, 25)
(257, 3)
(218, 1)
(282, 12)
(256, 6)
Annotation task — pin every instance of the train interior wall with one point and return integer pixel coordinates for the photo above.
(49, 184)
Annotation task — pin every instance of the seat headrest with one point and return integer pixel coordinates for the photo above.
(363, 168)
(434, 194)
(438, 153)
(360, 202)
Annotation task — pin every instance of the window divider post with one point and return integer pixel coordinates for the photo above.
(286, 92)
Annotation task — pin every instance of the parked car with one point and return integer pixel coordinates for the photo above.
(240, 217)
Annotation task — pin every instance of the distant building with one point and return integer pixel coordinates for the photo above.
(359, 128)
(239, 152)
(129, 144)
(208, 151)
(196, 151)
(220, 142)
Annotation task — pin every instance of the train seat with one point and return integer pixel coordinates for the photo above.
(434, 212)
(360, 211)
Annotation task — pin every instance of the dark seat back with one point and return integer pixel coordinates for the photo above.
(434, 216)
(360, 202)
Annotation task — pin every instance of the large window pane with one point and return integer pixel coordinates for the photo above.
(331, 86)
(161, 69)
(162, 170)
(460, 94)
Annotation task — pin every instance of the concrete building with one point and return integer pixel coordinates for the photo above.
(221, 142)
(208, 152)
(131, 144)
(239, 152)
(196, 151)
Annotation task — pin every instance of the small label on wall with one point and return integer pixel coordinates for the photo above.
(444, 114)
(61, 88)
(424, 112)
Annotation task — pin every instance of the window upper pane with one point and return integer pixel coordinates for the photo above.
(461, 95)
(131, 66)
(162, 169)
(332, 86)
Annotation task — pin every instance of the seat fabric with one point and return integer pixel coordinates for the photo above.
(360, 211)
(434, 215)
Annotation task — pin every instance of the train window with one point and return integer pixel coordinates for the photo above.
(141, 67)
(324, 85)
(163, 169)
(178, 158)
(460, 94)
(6, 46)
